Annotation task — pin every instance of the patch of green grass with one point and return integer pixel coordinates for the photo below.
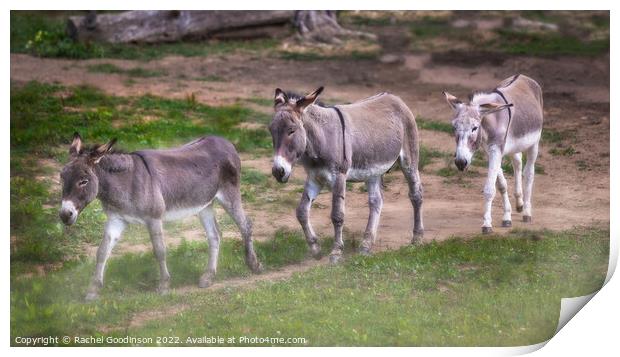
(479, 160)
(51, 303)
(451, 171)
(558, 140)
(427, 27)
(44, 116)
(436, 125)
(438, 294)
(508, 169)
(582, 165)
(211, 78)
(362, 18)
(552, 136)
(600, 21)
(559, 151)
(427, 155)
(253, 184)
(265, 102)
(43, 34)
(537, 44)
(438, 33)
(314, 56)
(105, 68)
(452, 176)
(188, 49)
(132, 72)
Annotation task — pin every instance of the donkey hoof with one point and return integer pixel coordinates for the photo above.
(335, 259)
(257, 268)
(527, 219)
(506, 224)
(205, 281)
(487, 230)
(365, 251)
(315, 250)
(417, 238)
(254, 265)
(91, 296)
(520, 208)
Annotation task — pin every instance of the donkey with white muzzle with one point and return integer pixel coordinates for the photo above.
(151, 186)
(505, 121)
(356, 142)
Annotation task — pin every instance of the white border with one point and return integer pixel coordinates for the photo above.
(594, 329)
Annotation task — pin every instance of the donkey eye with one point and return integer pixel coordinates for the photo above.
(291, 132)
(83, 182)
(474, 129)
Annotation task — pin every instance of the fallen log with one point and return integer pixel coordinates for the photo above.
(168, 26)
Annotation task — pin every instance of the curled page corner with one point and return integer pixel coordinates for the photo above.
(570, 307)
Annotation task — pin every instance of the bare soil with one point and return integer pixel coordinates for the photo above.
(574, 190)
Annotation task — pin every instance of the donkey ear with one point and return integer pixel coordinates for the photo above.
(280, 97)
(488, 108)
(302, 103)
(453, 101)
(76, 145)
(99, 152)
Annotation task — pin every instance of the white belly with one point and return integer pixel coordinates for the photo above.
(182, 212)
(357, 174)
(516, 145)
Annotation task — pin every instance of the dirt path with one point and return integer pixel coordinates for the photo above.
(573, 191)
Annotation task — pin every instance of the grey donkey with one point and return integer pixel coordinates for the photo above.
(356, 142)
(505, 121)
(151, 186)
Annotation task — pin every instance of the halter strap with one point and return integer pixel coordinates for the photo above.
(344, 147)
(509, 114)
(148, 169)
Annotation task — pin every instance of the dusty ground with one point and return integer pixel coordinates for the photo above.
(573, 191)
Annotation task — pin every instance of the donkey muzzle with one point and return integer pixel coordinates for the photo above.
(280, 174)
(460, 163)
(68, 213)
(281, 169)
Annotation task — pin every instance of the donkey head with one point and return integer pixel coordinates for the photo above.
(287, 131)
(466, 123)
(80, 184)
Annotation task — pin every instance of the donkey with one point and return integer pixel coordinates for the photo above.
(151, 186)
(505, 121)
(357, 142)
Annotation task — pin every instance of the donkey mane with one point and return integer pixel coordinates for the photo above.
(116, 162)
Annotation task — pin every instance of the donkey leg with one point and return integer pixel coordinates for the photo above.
(528, 173)
(159, 248)
(311, 190)
(112, 233)
(375, 204)
(517, 165)
(207, 218)
(495, 165)
(502, 186)
(230, 198)
(416, 193)
(338, 194)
